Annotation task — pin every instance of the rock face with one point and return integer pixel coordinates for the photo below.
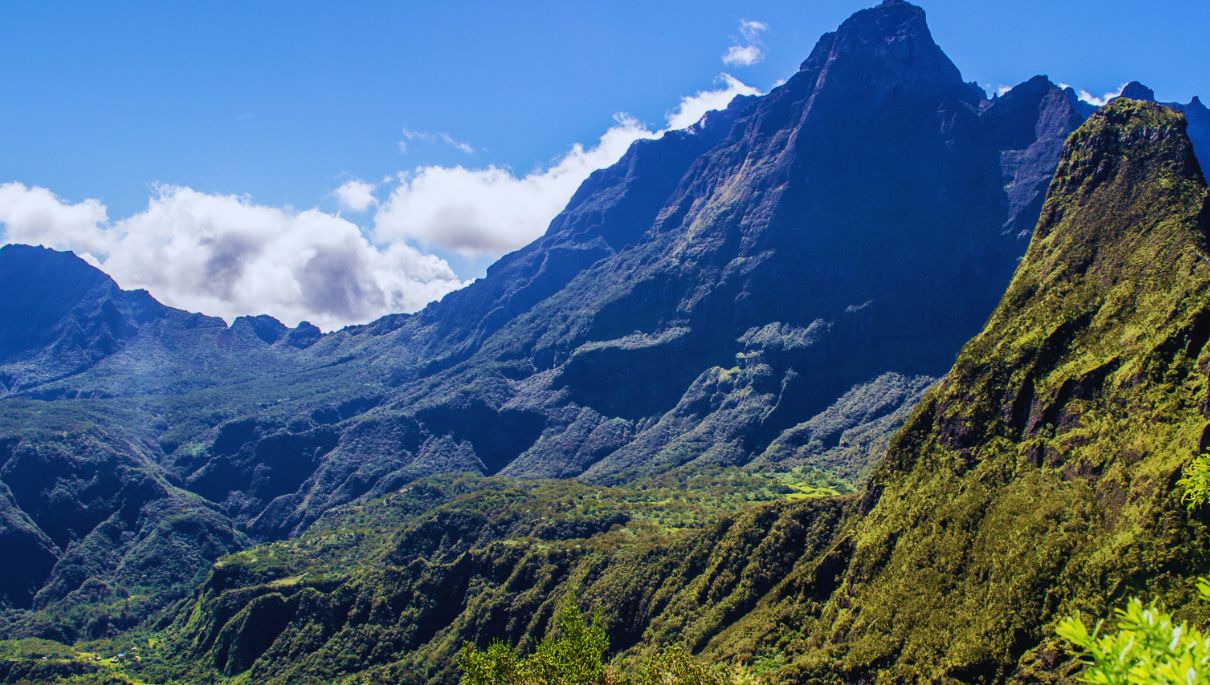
(1039, 476)
(861, 219)
(724, 294)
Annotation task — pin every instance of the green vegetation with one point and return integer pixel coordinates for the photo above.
(1038, 478)
(1149, 647)
(674, 665)
(574, 654)
(34, 660)
(1195, 483)
(393, 588)
(1038, 481)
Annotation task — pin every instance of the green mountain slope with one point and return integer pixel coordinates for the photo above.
(390, 590)
(1038, 477)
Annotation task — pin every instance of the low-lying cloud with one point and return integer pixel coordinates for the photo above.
(35, 216)
(1099, 101)
(227, 256)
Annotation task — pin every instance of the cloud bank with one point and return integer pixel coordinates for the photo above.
(36, 217)
(228, 256)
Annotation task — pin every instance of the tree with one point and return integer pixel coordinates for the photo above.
(574, 654)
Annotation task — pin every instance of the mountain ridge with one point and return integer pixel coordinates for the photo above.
(1037, 478)
(650, 329)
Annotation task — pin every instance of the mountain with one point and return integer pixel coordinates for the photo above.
(1037, 478)
(58, 315)
(771, 289)
(67, 330)
(885, 189)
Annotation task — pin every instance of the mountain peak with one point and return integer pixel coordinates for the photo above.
(891, 21)
(894, 23)
(1119, 153)
(886, 48)
(1127, 123)
(1137, 91)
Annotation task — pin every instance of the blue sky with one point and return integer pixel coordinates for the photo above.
(285, 101)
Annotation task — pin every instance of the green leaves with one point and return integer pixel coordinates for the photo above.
(499, 663)
(1148, 648)
(1196, 482)
(574, 654)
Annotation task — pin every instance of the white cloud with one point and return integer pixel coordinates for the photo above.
(427, 137)
(1093, 99)
(742, 55)
(457, 144)
(35, 216)
(693, 107)
(227, 256)
(749, 49)
(490, 211)
(356, 195)
(751, 29)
